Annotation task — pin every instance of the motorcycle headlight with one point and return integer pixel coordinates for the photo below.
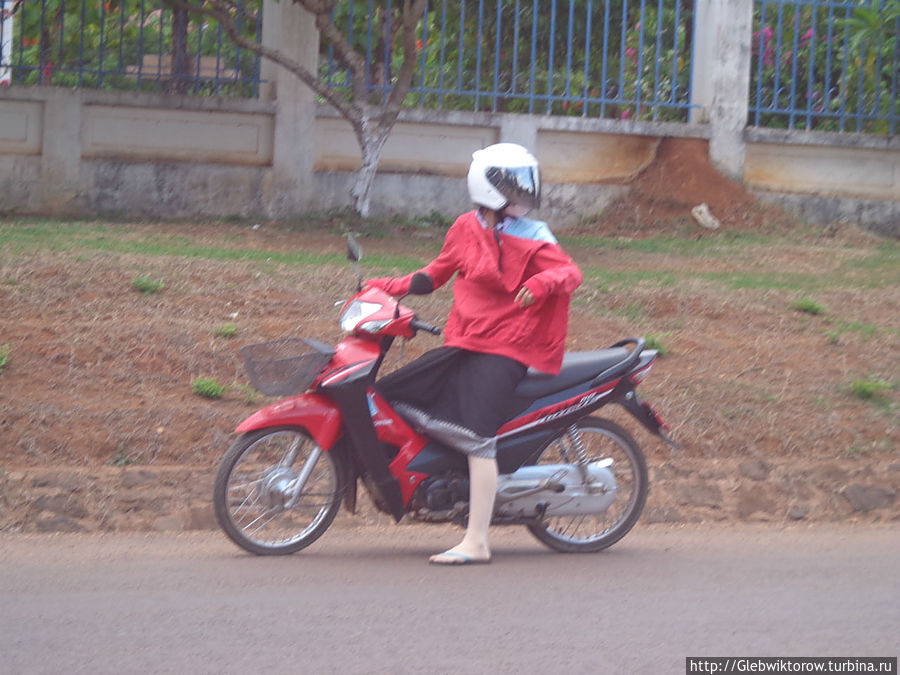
(355, 312)
(374, 326)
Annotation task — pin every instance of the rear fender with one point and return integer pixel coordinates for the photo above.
(315, 413)
(646, 415)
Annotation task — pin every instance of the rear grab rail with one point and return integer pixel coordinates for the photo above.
(626, 364)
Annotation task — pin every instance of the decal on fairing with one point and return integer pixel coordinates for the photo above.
(559, 411)
(374, 412)
(588, 400)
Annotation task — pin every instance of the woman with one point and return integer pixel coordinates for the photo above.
(510, 312)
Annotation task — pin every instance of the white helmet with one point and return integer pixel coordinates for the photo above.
(505, 176)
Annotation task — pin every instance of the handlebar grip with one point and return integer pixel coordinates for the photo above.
(415, 324)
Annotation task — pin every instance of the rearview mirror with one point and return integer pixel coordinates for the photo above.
(420, 284)
(354, 255)
(354, 250)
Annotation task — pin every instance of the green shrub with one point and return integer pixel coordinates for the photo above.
(251, 396)
(207, 387)
(808, 306)
(656, 342)
(227, 331)
(4, 356)
(869, 388)
(121, 457)
(147, 285)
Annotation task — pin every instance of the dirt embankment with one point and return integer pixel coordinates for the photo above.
(100, 428)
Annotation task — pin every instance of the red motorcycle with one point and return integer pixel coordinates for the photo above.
(576, 481)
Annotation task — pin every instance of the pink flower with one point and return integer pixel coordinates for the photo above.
(768, 50)
(631, 52)
(626, 114)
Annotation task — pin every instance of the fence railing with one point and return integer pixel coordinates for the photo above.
(129, 45)
(831, 65)
(626, 59)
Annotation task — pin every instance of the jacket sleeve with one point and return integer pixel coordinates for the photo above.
(439, 270)
(557, 273)
(395, 286)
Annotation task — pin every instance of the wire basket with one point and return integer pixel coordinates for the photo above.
(285, 367)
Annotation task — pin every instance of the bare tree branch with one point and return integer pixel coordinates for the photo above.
(371, 122)
(218, 10)
(413, 10)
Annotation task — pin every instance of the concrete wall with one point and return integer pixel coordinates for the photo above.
(85, 152)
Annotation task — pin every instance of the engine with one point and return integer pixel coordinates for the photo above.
(441, 499)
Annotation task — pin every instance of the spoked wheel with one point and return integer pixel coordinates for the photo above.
(601, 439)
(277, 491)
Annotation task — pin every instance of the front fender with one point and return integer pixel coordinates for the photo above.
(315, 413)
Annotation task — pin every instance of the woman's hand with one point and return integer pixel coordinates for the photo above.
(524, 298)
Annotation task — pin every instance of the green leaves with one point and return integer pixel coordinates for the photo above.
(874, 25)
(821, 68)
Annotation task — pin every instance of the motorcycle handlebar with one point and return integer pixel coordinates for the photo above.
(415, 324)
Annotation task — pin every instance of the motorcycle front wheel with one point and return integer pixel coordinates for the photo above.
(601, 439)
(277, 491)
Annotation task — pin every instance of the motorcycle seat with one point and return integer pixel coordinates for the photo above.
(577, 367)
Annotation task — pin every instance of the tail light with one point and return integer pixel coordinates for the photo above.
(639, 376)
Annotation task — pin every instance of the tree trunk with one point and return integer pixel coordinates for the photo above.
(371, 121)
(371, 143)
(181, 61)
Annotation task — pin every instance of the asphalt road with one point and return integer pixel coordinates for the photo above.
(363, 600)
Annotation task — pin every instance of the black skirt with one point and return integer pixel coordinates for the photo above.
(465, 388)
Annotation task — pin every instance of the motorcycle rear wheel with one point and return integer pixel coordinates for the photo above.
(589, 533)
(252, 491)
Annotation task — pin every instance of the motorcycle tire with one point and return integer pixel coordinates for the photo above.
(589, 533)
(252, 491)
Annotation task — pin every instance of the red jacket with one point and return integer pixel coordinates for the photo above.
(485, 317)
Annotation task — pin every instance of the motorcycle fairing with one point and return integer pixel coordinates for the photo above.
(350, 360)
(574, 403)
(352, 398)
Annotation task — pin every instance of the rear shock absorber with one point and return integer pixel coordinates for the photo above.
(577, 452)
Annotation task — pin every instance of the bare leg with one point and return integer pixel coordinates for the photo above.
(482, 491)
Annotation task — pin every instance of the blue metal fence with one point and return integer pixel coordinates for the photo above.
(127, 45)
(627, 59)
(830, 65)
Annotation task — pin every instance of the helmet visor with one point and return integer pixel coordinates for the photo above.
(521, 185)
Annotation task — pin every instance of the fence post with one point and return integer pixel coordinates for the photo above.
(7, 27)
(721, 78)
(292, 30)
(706, 18)
(60, 183)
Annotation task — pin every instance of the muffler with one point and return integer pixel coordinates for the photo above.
(556, 490)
